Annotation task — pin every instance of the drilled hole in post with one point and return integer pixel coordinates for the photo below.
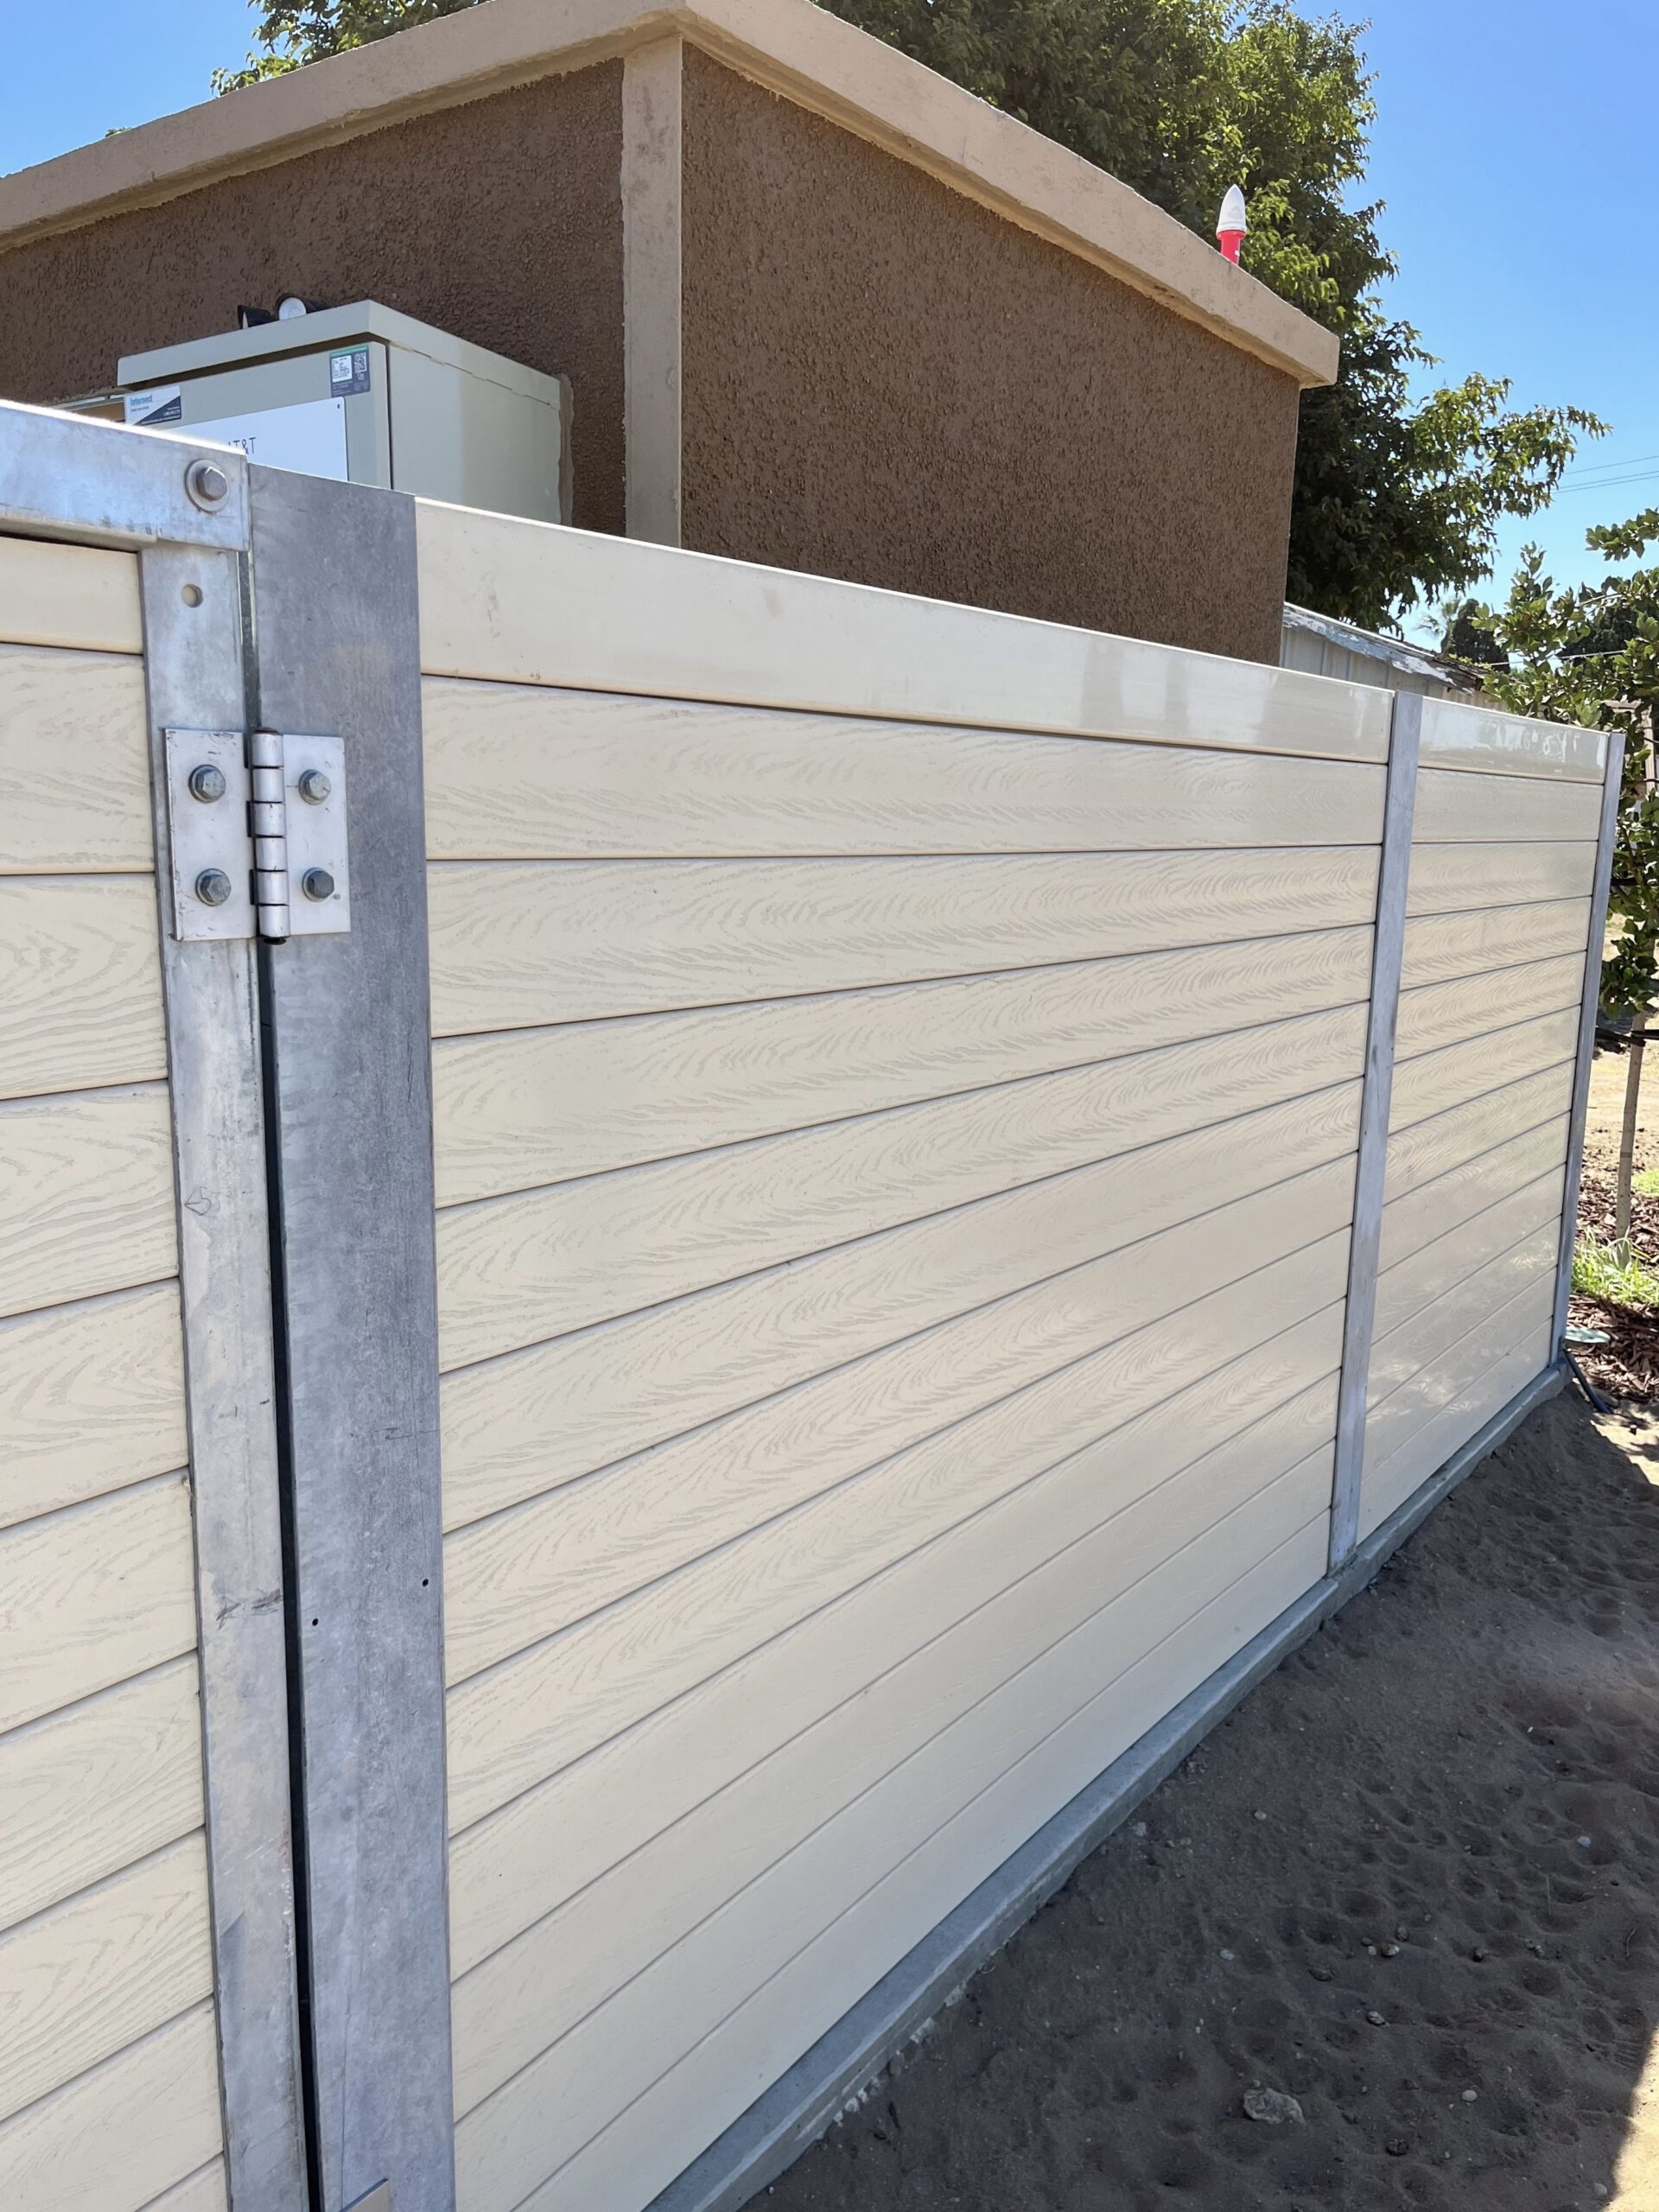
(190, 594)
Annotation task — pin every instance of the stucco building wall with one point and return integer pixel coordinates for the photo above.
(500, 220)
(885, 382)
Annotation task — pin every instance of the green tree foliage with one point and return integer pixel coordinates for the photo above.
(1396, 500)
(1590, 654)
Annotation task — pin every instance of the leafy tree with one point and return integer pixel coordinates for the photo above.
(1396, 500)
(1590, 654)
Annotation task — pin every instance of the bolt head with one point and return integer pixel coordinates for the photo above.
(314, 786)
(212, 887)
(317, 883)
(206, 783)
(208, 485)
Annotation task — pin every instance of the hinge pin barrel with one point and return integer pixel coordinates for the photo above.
(266, 825)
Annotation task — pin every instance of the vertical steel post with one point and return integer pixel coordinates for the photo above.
(1605, 838)
(1371, 1174)
(337, 651)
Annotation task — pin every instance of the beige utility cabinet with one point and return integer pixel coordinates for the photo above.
(365, 394)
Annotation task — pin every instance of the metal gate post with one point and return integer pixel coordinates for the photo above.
(1370, 1175)
(1607, 836)
(337, 653)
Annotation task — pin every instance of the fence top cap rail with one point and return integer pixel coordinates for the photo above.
(790, 46)
(507, 600)
(67, 476)
(1457, 735)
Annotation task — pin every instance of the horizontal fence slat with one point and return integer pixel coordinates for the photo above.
(1042, 1473)
(530, 603)
(1488, 1331)
(1416, 1342)
(1441, 947)
(80, 983)
(1464, 1245)
(536, 1106)
(1457, 808)
(1446, 1013)
(77, 597)
(515, 1725)
(1428, 1209)
(646, 2146)
(90, 1790)
(1458, 879)
(1435, 1082)
(158, 2101)
(521, 1424)
(527, 1573)
(512, 2007)
(85, 1196)
(93, 1595)
(92, 1398)
(518, 772)
(526, 945)
(83, 1980)
(1491, 1385)
(74, 764)
(1428, 1149)
(588, 1251)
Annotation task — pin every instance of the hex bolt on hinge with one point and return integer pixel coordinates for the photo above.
(206, 486)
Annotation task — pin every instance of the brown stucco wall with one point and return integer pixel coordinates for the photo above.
(884, 381)
(500, 221)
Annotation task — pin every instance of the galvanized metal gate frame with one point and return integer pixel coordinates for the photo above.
(301, 1085)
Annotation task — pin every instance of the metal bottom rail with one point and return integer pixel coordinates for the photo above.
(772, 2134)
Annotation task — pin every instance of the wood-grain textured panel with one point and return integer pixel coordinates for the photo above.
(1435, 1082)
(93, 1595)
(1454, 808)
(529, 1267)
(517, 1723)
(1041, 1475)
(1445, 1013)
(524, 944)
(515, 2005)
(1429, 1208)
(1441, 947)
(526, 1422)
(1417, 1341)
(1485, 1338)
(1414, 1283)
(92, 1398)
(203, 2192)
(95, 1788)
(536, 1106)
(81, 1981)
(117, 2137)
(74, 764)
(1489, 1390)
(85, 1196)
(80, 983)
(1431, 1148)
(518, 772)
(800, 1945)
(520, 602)
(527, 1573)
(1458, 879)
(75, 596)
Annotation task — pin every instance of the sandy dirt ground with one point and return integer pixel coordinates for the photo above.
(1412, 1883)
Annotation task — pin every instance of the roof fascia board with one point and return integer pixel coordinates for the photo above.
(791, 46)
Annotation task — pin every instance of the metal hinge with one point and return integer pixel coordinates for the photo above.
(257, 825)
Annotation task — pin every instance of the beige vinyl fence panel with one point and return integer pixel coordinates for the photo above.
(895, 1115)
(1503, 866)
(109, 2081)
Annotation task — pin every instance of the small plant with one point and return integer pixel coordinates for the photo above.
(1614, 1275)
(1645, 1182)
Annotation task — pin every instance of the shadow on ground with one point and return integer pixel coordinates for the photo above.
(1411, 1883)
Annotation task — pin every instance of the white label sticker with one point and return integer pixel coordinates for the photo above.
(164, 404)
(309, 437)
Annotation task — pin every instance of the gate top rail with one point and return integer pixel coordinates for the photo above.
(70, 476)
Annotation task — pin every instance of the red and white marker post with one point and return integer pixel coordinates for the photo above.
(1231, 225)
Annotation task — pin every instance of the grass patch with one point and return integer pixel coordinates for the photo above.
(1615, 1276)
(1646, 1180)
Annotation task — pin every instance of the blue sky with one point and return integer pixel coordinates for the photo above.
(1512, 146)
